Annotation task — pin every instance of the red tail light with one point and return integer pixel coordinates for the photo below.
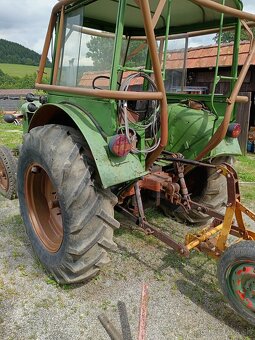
(119, 145)
(234, 130)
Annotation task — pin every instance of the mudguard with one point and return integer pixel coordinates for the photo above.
(112, 170)
(190, 130)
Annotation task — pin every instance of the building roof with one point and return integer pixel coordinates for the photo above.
(205, 56)
(88, 77)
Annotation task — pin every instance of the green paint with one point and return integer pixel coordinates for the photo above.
(189, 130)
(112, 170)
(118, 44)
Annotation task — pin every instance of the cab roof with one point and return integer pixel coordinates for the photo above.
(186, 16)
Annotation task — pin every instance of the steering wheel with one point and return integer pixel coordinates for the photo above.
(100, 77)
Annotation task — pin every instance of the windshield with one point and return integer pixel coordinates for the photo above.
(85, 54)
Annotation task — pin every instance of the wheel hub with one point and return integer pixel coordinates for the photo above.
(44, 208)
(243, 284)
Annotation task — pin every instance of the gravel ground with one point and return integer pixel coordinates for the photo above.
(184, 298)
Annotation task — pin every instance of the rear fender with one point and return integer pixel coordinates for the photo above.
(112, 170)
(228, 146)
(190, 130)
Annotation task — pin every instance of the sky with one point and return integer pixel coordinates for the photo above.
(26, 21)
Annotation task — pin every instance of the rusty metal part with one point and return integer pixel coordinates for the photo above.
(43, 207)
(108, 94)
(143, 312)
(205, 210)
(170, 156)
(212, 239)
(4, 181)
(184, 190)
(162, 182)
(225, 9)
(109, 327)
(156, 65)
(139, 203)
(59, 45)
(151, 230)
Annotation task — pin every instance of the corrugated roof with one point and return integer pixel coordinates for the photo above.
(205, 56)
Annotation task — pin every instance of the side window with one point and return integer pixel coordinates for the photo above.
(86, 54)
(96, 60)
(70, 55)
(175, 76)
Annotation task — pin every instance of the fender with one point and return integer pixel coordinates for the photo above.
(190, 130)
(112, 170)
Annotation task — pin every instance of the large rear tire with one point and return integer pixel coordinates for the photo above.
(206, 187)
(8, 173)
(69, 219)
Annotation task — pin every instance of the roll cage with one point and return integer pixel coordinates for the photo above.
(156, 17)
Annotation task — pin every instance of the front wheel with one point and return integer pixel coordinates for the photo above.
(236, 275)
(68, 217)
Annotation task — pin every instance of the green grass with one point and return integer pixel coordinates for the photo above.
(10, 134)
(245, 168)
(16, 70)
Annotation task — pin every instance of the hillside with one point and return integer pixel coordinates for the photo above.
(17, 70)
(13, 53)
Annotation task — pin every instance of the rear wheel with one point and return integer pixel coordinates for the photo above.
(8, 173)
(68, 217)
(206, 187)
(236, 274)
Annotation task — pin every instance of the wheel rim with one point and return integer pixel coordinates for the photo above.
(43, 207)
(4, 182)
(241, 283)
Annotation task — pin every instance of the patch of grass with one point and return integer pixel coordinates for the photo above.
(22, 270)
(245, 168)
(51, 281)
(10, 134)
(16, 70)
(247, 192)
(106, 304)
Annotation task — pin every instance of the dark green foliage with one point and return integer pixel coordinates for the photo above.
(101, 52)
(229, 36)
(13, 53)
(9, 82)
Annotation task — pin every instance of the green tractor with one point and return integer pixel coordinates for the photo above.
(118, 127)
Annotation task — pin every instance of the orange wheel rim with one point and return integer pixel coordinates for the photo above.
(4, 182)
(43, 207)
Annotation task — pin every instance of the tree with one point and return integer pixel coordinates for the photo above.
(229, 36)
(101, 52)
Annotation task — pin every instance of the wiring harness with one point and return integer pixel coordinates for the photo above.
(149, 123)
